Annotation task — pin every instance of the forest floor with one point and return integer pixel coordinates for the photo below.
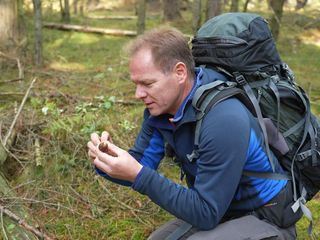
(84, 86)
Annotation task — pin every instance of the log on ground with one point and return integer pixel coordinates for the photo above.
(79, 28)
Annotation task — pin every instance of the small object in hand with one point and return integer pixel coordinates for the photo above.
(103, 147)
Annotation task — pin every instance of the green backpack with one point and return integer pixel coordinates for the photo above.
(241, 46)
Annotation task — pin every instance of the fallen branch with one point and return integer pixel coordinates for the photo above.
(311, 24)
(113, 17)
(6, 94)
(24, 224)
(11, 80)
(69, 27)
(18, 113)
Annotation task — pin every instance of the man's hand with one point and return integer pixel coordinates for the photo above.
(96, 140)
(117, 163)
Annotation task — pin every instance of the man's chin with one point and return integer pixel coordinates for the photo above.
(154, 112)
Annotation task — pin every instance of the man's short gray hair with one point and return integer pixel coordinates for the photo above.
(168, 46)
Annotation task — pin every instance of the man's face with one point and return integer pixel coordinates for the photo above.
(161, 92)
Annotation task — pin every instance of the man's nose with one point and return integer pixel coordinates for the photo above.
(140, 92)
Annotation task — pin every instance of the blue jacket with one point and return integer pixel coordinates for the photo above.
(230, 142)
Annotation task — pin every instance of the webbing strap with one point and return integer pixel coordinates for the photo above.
(313, 145)
(306, 121)
(201, 112)
(275, 91)
(179, 232)
(300, 203)
(268, 175)
(203, 88)
(202, 109)
(209, 101)
(303, 155)
(305, 133)
(257, 109)
(294, 128)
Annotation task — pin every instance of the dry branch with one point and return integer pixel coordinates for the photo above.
(21, 74)
(6, 94)
(113, 17)
(11, 80)
(18, 113)
(69, 27)
(24, 224)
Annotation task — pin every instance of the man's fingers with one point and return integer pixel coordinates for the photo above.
(105, 136)
(92, 147)
(114, 150)
(91, 155)
(95, 139)
(101, 165)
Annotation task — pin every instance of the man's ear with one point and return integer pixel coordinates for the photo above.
(180, 70)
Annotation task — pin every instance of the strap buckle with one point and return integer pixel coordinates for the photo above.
(240, 79)
(193, 156)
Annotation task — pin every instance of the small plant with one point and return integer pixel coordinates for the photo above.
(127, 125)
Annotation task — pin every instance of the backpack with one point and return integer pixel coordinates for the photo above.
(241, 46)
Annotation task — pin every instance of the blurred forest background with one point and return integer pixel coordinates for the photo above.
(64, 75)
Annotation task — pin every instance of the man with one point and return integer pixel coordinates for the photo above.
(221, 202)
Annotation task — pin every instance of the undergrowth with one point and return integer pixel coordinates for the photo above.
(84, 87)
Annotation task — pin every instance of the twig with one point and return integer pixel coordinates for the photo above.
(2, 226)
(18, 113)
(21, 74)
(309, 24)
(11, 80)
(132, 210)
(45, 203)
(23, 223)
(37, 152)
(111, 195)
(7, 150)
(11, 94)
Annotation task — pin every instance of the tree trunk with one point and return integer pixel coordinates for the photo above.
(196, 11)
(301, 4)
(21, 19)
(245, 6)
(8, 25)
(66, 18)
(277, 8)
(65, 11)
(141, 11)
(75, 7)
(171, 10)
(81, 8)
(234, 6)
(213, 8)
(38, 31)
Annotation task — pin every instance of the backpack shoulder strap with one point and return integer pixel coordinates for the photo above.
(206, 97)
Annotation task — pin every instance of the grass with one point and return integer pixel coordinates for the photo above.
(79, 88)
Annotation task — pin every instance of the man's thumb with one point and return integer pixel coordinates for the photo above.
(113, 150)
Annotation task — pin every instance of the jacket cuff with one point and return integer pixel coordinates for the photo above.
(143, 177)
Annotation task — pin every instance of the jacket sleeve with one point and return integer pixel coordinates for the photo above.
(148, 150)
(224, 138)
